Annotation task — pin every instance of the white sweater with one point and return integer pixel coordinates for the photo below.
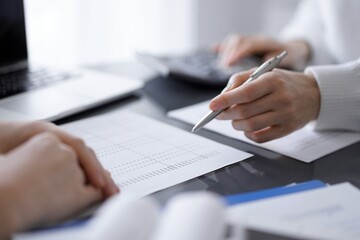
(332, 29)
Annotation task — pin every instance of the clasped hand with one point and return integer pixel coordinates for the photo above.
(46, 174)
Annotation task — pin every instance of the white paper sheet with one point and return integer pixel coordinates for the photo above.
(305, 144)
(145, 156)
(324, 213)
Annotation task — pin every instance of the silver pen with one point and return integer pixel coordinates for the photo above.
(265, 67)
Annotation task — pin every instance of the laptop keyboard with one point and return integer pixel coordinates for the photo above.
(30, 79)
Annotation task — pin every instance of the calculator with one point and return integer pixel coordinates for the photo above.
(200, 67)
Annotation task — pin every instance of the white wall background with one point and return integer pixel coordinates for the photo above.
(67, 32)
(217, 18)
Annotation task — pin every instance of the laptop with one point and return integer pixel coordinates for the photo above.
(29, 93)
(199, 67)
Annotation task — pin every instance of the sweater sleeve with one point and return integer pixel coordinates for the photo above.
(307, 24)
(340, 96)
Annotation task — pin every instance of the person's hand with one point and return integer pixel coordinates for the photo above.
(13, 134)
(40, 181)
(236, 47)
(272, 106)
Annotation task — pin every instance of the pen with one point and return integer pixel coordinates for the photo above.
(265, 67)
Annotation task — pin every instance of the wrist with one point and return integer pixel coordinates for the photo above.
(314, 95)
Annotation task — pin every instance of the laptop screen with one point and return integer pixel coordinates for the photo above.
(12, 33)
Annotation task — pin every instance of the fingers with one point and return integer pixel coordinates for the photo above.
(235, 48)
(251, 46)
(237, 80)
(245, 111)
(269, 133)
(87, 159)
(90, 195)
(244, 93)
(111, 188)
(241, 50)
(227, 49)
(276, 104)
(78, 198)
(257, 123)
(95, 173)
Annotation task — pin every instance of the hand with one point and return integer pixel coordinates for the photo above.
(272, 106)
(13, 134)
(41, 181)
(236, 47)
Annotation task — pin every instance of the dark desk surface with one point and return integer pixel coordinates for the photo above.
(265, 169)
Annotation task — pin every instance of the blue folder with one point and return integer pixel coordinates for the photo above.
(272, 192)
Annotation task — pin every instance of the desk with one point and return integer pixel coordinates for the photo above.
(264, 170)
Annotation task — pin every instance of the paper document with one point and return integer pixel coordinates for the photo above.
(324, 213)
(305, 144)
(145, 156)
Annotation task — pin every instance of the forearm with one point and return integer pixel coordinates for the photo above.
(9, 219)
(12, 211)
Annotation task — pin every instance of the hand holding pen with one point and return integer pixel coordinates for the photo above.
(277, 103)
(265, 67)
